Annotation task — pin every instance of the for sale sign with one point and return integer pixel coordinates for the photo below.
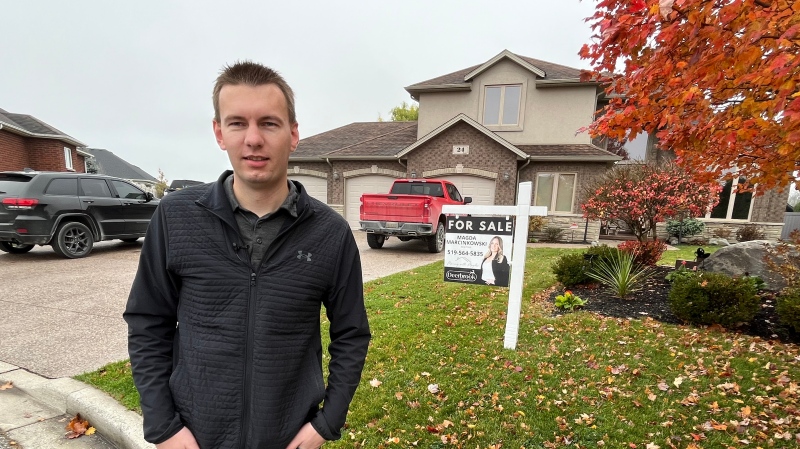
(478, 250)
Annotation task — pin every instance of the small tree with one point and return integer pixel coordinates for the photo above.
(642, 195)
(404, 113)
(161, 184)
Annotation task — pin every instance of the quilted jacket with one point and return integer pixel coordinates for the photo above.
(233, 352)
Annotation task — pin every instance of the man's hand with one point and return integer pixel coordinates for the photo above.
(181, 440)
(306, 438)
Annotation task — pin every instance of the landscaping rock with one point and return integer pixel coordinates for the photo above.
(745, 258)
(718, 242)
(673, 241)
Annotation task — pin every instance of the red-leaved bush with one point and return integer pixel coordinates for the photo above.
(647, 252)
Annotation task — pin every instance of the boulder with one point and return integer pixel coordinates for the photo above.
(745, 258)
(673, 241)
(718, 242)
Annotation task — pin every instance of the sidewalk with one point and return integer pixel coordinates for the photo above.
(36, 410)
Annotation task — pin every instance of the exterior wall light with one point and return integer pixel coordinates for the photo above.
(413, 173)
(506, 176)
(336, 176)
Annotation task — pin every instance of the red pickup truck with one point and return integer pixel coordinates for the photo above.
(411, 210)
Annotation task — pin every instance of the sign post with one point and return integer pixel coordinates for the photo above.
(522, 211)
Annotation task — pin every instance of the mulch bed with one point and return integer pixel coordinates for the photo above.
(652, 301)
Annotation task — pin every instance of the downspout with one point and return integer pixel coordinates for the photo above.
(516, 191)
(400, 161)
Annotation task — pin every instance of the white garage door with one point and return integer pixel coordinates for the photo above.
(480, 189)
(316, 187)
(355, 187)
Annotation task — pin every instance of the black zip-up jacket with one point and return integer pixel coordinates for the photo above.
(233, 352)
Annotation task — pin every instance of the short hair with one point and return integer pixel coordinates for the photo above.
(252, 74)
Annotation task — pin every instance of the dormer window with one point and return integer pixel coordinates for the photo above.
(501, 105)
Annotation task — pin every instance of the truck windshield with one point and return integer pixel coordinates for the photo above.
(418, 188)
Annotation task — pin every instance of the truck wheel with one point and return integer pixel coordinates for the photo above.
(73, 240)
(436, 241)
(15, 248)
(375, 241)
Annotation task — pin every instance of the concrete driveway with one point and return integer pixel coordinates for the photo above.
(64, 317)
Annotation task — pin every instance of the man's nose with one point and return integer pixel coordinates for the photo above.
(253, 137)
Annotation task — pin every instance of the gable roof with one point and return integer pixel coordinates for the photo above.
(357, 140)
(110, 164)
(457, 119)
(30, 126)
(546, 72)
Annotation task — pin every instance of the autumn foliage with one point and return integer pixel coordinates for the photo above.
(642, 195)
(716, 80)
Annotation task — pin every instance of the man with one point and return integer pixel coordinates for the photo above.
(223, 315)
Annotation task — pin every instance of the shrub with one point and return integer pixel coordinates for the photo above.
(620, 273)
(749, 232)
(570, 269)
(536, 223)
(603, 252)
(722, 232)
(647, 253)
(713, 298)
(788, 308)
(552, 233)
(569, 301)
(684, 228)
(681, 271)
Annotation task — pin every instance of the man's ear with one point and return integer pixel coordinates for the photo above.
(295, 136)
(218, 134)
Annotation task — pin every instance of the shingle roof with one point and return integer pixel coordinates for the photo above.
(552, 71)
(110, 164)
(567, 151)
(359, 139)
(31, 126)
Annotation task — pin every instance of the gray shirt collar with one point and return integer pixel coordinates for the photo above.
(289, 204)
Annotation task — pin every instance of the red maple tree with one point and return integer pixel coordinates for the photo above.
(716, 81)
(639, 196)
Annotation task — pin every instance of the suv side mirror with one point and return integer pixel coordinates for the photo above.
(148, 197)
(467, 199)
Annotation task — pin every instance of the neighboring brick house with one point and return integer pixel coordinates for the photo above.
(108, 163)
(486, 128)
(27, 142)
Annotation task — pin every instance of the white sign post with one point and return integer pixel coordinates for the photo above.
(522, 211)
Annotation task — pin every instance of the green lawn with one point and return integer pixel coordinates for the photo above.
(437, 375)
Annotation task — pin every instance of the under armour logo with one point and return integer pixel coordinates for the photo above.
(301, 255)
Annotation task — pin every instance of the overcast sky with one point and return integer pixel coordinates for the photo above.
(136, 77)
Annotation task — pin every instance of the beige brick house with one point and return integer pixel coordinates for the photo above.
(486, 128)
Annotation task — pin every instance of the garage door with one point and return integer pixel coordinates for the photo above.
(316, 187)
(355, 187)
(480, 189)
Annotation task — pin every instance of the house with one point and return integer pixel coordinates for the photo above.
(486, 128)
(108, 163)
(27, 142)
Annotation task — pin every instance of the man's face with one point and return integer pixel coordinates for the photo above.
(254, 130)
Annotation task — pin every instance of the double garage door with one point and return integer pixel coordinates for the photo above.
(316, 187)
(480, 189)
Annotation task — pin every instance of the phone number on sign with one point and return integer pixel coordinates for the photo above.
(463, 252)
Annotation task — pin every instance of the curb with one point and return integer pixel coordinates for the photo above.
(114, 422)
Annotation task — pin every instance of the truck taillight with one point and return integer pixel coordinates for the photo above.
(426, 208)
(20, 203)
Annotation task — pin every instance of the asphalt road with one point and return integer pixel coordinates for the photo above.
(63, 317)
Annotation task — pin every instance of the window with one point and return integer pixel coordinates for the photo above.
(556, 191)
(95, 187)
(501, 105)
(453, 191)
(62, 187)
(128, 191)
(68, 158)
(732, 205)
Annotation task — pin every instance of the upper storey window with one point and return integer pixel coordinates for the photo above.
(501, 105)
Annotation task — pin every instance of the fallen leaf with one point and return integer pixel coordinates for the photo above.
(678, 381)
(375, 383)
(399, 395)
(433, 388)
(90, 431)
(77, 427)
(6, 386)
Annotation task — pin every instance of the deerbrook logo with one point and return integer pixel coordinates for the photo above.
(463, 276)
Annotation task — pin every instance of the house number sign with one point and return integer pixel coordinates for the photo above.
(460, 149)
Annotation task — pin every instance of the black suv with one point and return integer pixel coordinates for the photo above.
(70, 211)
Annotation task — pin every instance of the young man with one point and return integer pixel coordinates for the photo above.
(223, 315)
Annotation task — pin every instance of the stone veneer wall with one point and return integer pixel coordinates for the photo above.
(772, 231)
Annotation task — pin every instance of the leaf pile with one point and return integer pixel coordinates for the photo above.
(78, 427)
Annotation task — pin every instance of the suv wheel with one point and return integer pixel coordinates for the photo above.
(15, 248)
(73, 240)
